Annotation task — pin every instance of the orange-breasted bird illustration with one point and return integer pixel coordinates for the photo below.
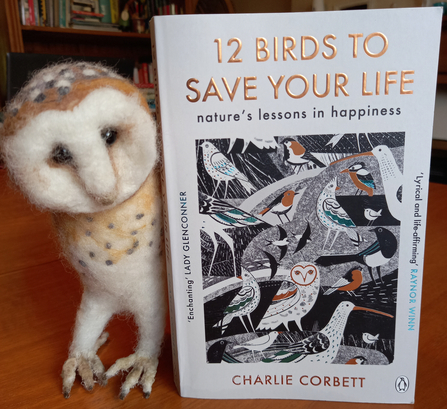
(296, 155)
(361, 178)
(349, 282)
(357, 360)
(281, 205)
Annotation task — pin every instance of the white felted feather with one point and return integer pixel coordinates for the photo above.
(79, 141)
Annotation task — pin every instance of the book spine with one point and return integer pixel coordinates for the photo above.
(172, 312)
(56, 21)
(62, 13)
(114, 11)
(32, 14)
(24, 8)
(145, 73)
(104, 8)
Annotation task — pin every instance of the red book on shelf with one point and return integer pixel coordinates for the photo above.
(86, 13)
(32, 17)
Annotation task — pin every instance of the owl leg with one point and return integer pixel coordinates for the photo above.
(151, 320)
(91, 319)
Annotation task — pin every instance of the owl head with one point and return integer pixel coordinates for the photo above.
(78, 138)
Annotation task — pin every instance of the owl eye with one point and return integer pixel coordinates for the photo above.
(61, 155)
(109, 135)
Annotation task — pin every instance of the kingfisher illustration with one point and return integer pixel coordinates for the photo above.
(220, 168)
(294, 299)
(281, 205)
(323, 346)
(361, 178)
(333, 216)
(296, 155)
(349, 282)
(243, 304)
(391, 176)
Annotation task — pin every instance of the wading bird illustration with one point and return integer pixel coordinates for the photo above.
(323, 346)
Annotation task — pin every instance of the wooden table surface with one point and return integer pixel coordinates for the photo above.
(39, 295)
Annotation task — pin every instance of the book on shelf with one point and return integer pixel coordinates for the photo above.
(296, 152)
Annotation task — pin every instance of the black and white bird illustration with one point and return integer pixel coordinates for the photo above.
(303, 239)
(323, 346)
(243, 304)
(221, 169)
(370, 339)
(297, 156)
(372, 215)
(376, 255)
(259, 344)
(282, 243)
(334, 217)
(294, 299)
(217, 216)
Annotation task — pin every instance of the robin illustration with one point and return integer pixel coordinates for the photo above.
(349, 282)
(323, 346)
(376, 255)
(243, 304)
(281, 205)
(333, 216)
(357, 360)
(220, 168)
(297, 156)
(361, 178)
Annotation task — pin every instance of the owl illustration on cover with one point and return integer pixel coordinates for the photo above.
(80, 142)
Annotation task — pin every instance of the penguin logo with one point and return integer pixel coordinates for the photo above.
(402, 384)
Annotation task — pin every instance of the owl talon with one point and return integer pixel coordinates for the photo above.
(88, 366)
(142, 373)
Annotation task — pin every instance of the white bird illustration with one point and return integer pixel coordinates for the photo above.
(370, 339)
(391, 176)
(371, 215)
(323, 346)
(220, 168)
(333, 216)
(259, 344)
(243, 304)
(294, 299)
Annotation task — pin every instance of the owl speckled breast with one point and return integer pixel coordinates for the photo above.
(114, 236)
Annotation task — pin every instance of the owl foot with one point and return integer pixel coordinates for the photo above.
(88, 367)
(143, 373)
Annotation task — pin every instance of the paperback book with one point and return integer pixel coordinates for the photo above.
(296, 151)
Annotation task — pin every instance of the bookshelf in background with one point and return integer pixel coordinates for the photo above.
(15, 37)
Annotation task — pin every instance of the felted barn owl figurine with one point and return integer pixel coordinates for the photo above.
(79, 141)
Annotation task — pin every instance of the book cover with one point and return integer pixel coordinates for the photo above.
(296, 152)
